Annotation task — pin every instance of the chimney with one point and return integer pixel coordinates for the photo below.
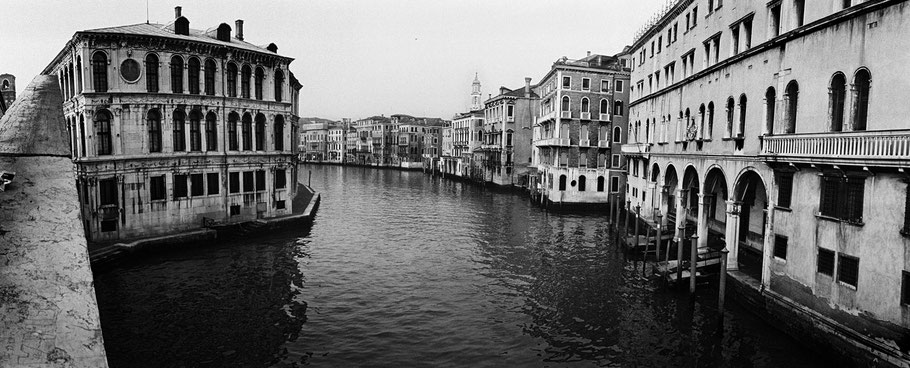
(527, 86)
(589, 53)
(238, 29)
(177, 12)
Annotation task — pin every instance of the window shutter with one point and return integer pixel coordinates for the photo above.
(829, 188)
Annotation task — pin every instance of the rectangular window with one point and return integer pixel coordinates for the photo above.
(694, 16)
(826, 261)
(280, 204)
(780, 246)
(157, 188)
(614, 184)
(905, 288)
(235, 209)
(616, 161)
(847, 269)
(234, 182)
(180, 186)
(281, 179)
(774, 20)
(842, 198)
(586, 84)
(248, 184)
(197, 186)
(618, 86)
(260, 180)
(605, 86)
(212, 183)
(107, 192)
(784, 188)
(566, 82)
(510, 111)
(799, 7)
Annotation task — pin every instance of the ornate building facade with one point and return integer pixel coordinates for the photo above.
(504, 156)
(175, 128)
(579, 132)
(757, 125)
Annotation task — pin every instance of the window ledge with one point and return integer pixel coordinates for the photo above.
(834, 219)
(784, 209)
(844, 284)
(727, 139)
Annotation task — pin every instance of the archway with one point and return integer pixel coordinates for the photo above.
(751, 199)
(671, 182)
(715, 208)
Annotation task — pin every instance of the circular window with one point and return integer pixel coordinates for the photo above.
(129, 70)
(573, 183)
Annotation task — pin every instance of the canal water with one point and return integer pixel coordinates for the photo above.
(401, 269)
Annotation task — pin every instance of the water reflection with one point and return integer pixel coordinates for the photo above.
(401, 269)
(233, 304)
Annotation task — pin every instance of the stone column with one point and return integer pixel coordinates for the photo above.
(680, 214)
(732, 234)
(702, 231)
(649, 209)
(850, 119)
(737, 129)
(728, 128)
(768, 248)
(701, 125)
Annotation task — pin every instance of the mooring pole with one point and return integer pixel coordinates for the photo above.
(309, 180)
(693, 263)
(637, 220)
(680, 243)
(659, 235)
(723, 282)
(621, 236)
(644, 256)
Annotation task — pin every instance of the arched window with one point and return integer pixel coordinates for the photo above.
(583, 159)
(103, 133)
(79, 73)
(770, 109)
(99, 71)
(231, 76)
(233, 119)
(211, 132)
(210, 77)
(195, 131)
(702, 112)
(600, 183)
(617, 108)
(151, 73)
(731, 108)
(177, 74)
(604, 106)
(81, 135)
(742, 116)
(245, 75)
(617, 135)
(154, 127)
(260, 75)
(279, 133)
(260, 132)
(581, 183)
(837, 92)
(792, 97)
(585, 105)
(193, 75)
(688, 118)
(247, 132)
(710, 132)
(565, 103)
(562, 182)
(72, 79)
(279, 84)
(862, 83)
(179, 131)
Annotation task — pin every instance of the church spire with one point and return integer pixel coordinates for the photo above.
(475, 94)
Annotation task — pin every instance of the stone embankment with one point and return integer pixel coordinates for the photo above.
(48, 311)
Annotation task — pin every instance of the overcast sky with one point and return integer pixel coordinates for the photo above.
(357, 58)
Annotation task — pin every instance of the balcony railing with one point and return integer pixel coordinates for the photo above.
(635, 149)
(876, 146)
(606, 117)
(586, 116)
(565, 114)
(603, 143)
(548, 116)
(563, 142)
(584, 143)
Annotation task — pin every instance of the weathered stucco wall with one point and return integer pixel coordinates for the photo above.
(48, 311)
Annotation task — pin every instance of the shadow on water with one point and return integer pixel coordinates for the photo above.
(230, 304)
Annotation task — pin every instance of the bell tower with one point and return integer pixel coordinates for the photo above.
(475, 95)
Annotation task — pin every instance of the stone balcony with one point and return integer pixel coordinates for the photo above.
(636, 149)
(554, 142)
(868, 148)
(548, 116)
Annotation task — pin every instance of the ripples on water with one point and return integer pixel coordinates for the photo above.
(401, 269)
